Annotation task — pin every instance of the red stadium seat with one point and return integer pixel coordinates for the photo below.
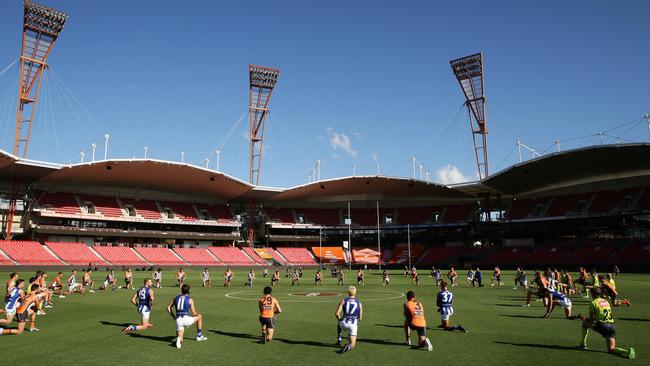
(589, 254)
(160, 256)
(253, 254)
(282, 215)
(183, 211)
(457, 213)
(146, 209)
(197, 256)
(400, 254)
(29, 253)
(231, 255)
(75, 253)
(297, 256)
(418, 215)
(60, 202)
(325, 216)
(438, 255)
(507, 255)
(107, 206)
(547, 254)
(120, 255)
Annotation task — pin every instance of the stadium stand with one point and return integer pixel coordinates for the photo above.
(29, 253)
(283, 215)
(523, 208)
(563, 205)
(368, 217)
(438, 255)
(231, 255)
(507, 255)
(400, 254)
(264, 254)
(61, 203)
(297, 256)
(4, 260)
(217, 212)
(183, 211)
(75, 253)
(120, 255)
(590, 253)
(107, 206)
(326, 216)
(277, 256)
(456, 213)
(418, 215)
(197, 256)
(159, 256)
(546, 254)
(146, 209)
(254, 256)
(608, 201)
(633, 254)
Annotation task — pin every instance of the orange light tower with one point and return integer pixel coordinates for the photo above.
(41, 28)
(262, 82)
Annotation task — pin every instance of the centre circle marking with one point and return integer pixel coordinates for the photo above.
(314, 296)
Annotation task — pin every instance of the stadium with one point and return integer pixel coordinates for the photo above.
(586, 207)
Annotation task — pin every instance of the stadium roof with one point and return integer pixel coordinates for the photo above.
(573, 167)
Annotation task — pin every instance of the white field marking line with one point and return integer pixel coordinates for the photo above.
(315, 294)
(231, 295)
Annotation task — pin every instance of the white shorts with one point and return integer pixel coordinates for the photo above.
(446, 313)
(565, 304)
(11, 311)
(144, 312)
(74, 287)
(184, 322)
(349, 327)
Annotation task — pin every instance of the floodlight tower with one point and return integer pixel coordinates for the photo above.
(41, 28)
(469, 73)
(262, 82)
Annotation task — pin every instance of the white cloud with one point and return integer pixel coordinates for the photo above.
(450, 174)
(357, 135)
(341, 141)
(374, 156)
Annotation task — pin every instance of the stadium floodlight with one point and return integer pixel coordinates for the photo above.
(262, 82)
(469, 73)
(41, 27)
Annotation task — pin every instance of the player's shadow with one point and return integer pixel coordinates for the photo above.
(380, 342)
(123, 325)
(167, 339)
(306, 343)
(236, 335)
(508, 305)
(522, 316)
(390, 325)
(634, 319)
(546, 346)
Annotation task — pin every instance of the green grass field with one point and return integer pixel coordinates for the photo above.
(86, 329)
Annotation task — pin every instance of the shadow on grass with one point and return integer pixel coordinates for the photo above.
(167, 339)
(522, 316)
(306, 343)
(634, 319)
(509, 305)
(546, 346)
(236, 335)
(122, 325)
(390, 325)
(381, 342)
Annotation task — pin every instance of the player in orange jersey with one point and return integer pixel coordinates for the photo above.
(269, 307)
(414, 320)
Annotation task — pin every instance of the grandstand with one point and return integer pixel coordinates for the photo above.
(197, 256)
(119, 255)
(160, 256)
(75, 253)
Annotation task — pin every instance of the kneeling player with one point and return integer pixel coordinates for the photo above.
(556, 298)
(269, 306)
(26, 311)
(601, 320)
(12, 301)
(385, 278)
(143, 299)
(319, 278)
(349, 313)
(445, 302)
(414, 320)
(183, 306)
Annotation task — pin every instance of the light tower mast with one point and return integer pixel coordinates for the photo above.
(262, 82)
(41, 28)
(469, 73)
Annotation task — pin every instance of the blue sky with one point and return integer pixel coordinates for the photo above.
(362, 82)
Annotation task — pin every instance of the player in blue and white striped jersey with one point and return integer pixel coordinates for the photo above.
(554, 298)
(349, 313)
(445, 303)
(143, 299)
